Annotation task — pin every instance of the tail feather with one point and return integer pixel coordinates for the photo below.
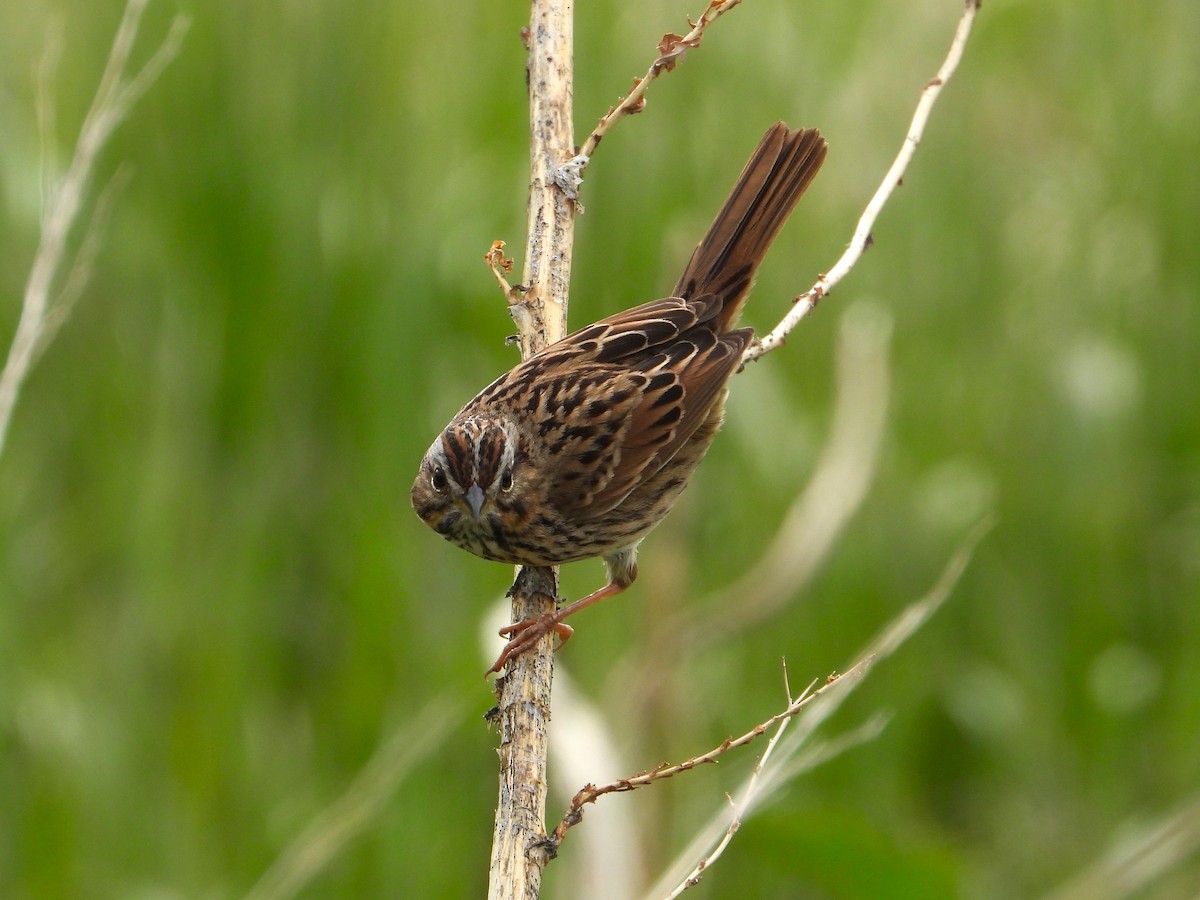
(725, 261)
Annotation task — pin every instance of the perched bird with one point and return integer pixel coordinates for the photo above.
(580, 450)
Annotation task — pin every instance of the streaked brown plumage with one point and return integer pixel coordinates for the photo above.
(581, 450)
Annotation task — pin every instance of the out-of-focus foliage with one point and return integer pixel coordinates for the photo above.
(215, 601)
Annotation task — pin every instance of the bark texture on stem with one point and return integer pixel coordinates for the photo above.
(523, 691)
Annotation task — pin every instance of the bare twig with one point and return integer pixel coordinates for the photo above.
(742, 805)
(115, 96)
(756, 787)
(590, 793)
(672, 50)
(500, 265)
(806, 302)
(332, 828)
(834, 690)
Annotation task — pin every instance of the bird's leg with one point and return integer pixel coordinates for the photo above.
(524, 634)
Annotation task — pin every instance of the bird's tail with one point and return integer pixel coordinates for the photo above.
(766, 192)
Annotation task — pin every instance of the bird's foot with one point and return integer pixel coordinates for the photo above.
(525, 634)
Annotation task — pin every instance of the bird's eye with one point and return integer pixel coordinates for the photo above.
(438, 479)
(506, 481)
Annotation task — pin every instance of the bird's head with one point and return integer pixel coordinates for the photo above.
(475, 485)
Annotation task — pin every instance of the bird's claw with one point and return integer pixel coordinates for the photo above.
(524, 635)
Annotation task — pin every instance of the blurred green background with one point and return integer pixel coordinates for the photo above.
(216, 603)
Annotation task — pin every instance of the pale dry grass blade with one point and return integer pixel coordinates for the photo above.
(336, 825)
(1147, 853)
(115, 96)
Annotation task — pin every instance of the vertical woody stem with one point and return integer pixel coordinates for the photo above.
(523, 710)
(547, 274)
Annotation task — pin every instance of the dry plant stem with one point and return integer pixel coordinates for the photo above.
(743, 804)
(115, 96)
(671, 50)
(522, 716)
(85, 259)
(806, 302)
(47, 114)
(757, 786)
(547, 274)
(500, 266)
(590, 793)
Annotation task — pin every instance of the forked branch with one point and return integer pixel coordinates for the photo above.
(590, 793)
(795, 754)
(672, 50)
(830, 694)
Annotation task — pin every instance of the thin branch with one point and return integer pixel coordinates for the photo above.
(672, 50)
(332, 828)
(590, 793)
(806, 302)
(114, 97)
(500, 266)
(756, 788)
(132, 91)
(741, 806)
(834, 691)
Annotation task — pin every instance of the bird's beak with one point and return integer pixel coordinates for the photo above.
(475, 499)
